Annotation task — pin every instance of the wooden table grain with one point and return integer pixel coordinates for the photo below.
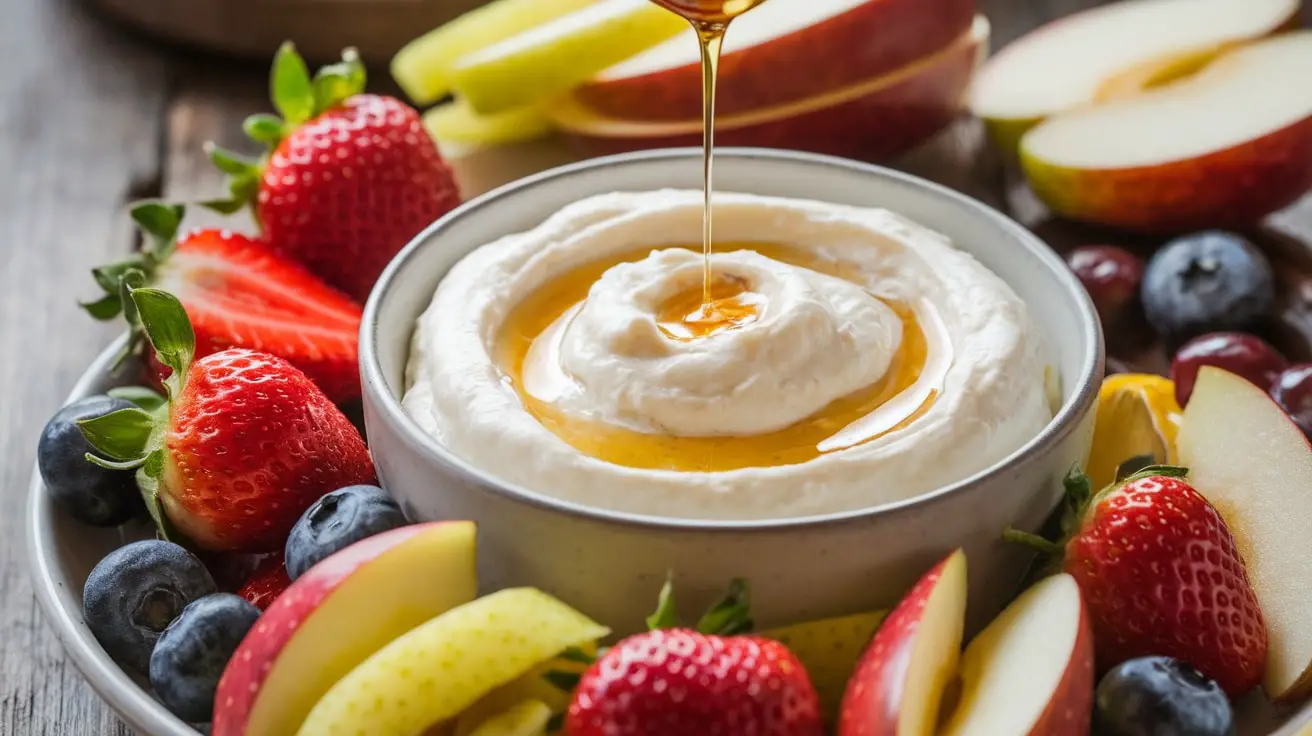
(93, 117)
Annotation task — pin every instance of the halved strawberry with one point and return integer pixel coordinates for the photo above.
(238, 293)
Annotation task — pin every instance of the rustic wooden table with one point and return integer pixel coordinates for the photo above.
(93, 117)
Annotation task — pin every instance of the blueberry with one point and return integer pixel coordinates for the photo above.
(1160, 696)
(337, 521)
(193, 651)
(1212, 281)
(136, 592)
(89, 493)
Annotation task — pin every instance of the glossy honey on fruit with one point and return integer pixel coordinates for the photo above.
(907, 390)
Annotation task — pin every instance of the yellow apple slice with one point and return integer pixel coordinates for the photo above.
(1221, 148)
(527, 718)
(1110, 51)
(532, 685)
(829, 649)
(1254, 465)
(456, 122)
(436, 670)
(423, 66)
(557, 56)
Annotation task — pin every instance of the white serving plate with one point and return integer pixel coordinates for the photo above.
(62, 552)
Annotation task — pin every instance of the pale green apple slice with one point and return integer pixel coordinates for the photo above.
(558, 55)
(440, 668)
(423, 66)
(456, 122)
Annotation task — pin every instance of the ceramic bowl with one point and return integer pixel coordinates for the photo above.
(611, 565)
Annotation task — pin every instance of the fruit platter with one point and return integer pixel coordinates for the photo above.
(867, 458)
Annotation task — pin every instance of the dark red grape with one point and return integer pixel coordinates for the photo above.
(1240, 353)
(1292, 390)
(1111, 275)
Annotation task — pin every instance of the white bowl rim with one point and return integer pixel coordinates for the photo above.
(388, 405)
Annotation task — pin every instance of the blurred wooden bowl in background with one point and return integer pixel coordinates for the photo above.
(320, 28)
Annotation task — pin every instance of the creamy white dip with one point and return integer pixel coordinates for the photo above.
(818, 338)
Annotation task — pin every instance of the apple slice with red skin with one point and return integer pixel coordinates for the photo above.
(874, 119)
(782, 51)
(899, 681)
(1111, 51)
(336, 615)
(1221, 148)
(1030, 672)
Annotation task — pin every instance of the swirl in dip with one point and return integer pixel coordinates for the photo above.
(854, 358)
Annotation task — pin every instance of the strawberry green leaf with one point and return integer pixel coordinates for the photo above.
(574, 654)
(158, 219)
(290, 86)
(143, 397)
(224, 206)
(729, 616)
(114, 464)
(1165, 471)
(264, 128)
(564, 681)
(1034, 542)
(119, 435)
(1133, 465)
(1079, 492)
(666, 616)
(149, 485)
(335, 83)
(229, 162)
(105, 308)
(110, 276)
(169, 330)
(154, 464)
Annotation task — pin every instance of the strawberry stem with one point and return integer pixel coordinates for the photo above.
(729, 616)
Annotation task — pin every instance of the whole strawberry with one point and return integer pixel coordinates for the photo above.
(244, 444)
(237, 293)
(267, 582)
(349, 178)
(711, 680)
(1161, 576)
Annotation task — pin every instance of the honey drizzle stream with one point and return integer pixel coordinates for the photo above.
(710, 37)
(710, 20)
